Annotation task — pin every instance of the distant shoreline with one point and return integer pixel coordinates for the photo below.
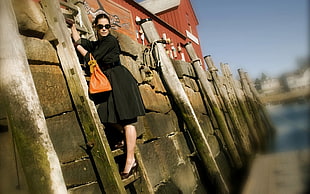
(286, 97)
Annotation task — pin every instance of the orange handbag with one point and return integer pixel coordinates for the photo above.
(98, 81)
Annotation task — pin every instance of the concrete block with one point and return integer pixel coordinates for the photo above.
(78, 173)
(183, 68)
(160, 125)
(140, 126)
(30, 18)
(133, 67)
(157, 84)
(152, 162)
(224, 166)
(205, 124)
(190, 82)
(128, 46)
(87, 188)
(67, 137)
(153, 101)
(52, 89)
(170, 156)
(39, 51)
(196, 100)
(214, 145)
(167, 187)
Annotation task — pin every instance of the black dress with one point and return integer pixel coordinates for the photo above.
(124, 103)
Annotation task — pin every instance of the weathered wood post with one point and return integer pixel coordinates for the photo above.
(97, 142)
(253, 106)
(240, 130)
(242, 104)
(24, 112)
(269, 127)
(233, 86)
(214, 104)
(175, 87)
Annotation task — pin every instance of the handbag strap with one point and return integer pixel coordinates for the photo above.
(92, 63)
(91, 57)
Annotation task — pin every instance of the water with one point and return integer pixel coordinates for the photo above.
(285, 168)
(292, 126)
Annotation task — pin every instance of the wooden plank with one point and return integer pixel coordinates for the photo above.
(278, 173)
(175, 87)
(97, 141)
(135, 176)
(117, 152)
(24, 112)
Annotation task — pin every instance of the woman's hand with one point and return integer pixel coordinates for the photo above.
(69, 22)
(75, 36)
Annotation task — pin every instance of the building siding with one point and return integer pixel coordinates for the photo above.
(172, 22)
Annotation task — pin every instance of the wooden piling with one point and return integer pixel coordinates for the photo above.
(174, 86)
(97, 142)
(207, 90)
(238, 128)
(269, 128)
(25, 115)
(253, 106)
(242, 105)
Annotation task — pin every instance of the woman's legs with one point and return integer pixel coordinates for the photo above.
(130, 140)
(131, 136)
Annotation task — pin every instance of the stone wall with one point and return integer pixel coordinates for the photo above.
(167, 150)
(162, 139)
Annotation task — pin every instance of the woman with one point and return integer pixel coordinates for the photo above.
(120, 107)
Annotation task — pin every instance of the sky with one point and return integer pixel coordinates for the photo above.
(258, 36)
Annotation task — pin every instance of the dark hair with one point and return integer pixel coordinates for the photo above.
(101, 16)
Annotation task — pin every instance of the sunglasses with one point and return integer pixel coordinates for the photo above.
(100, 26)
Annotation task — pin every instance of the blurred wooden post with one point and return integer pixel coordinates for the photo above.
(25, 115)
(175, 87)
(253, 106)
(269, 127)
(206, 88)
(238, 128)
(242, 104)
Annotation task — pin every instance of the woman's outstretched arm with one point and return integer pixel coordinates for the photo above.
(76, 37)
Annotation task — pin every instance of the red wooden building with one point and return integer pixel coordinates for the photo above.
(175, 20)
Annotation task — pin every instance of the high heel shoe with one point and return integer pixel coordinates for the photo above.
(131, 171)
